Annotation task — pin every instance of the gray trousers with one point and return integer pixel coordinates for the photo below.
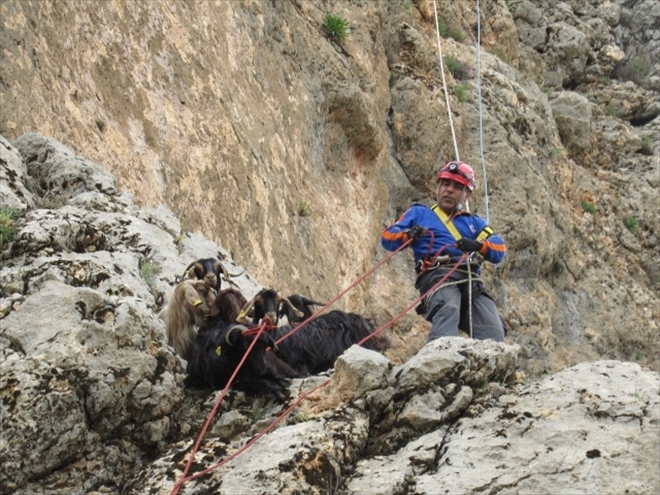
(447, 316)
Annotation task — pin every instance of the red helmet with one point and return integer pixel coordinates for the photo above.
(458, 172)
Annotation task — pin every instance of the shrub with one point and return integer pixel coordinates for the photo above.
(7, 231)
(458, 69)
(588, 207)
(612, 110)
(304, 210)
(636, 69)
(631, 224)
(646, 148)
(100, 123)
(335, 26)
(461, 92)
(450, 32)
(148, 271)
(501, 54)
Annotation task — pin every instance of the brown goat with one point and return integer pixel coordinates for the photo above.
(189, 305)
(227, 306)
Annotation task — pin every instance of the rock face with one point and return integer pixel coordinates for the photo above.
(242, 130)
(93, 401)
(293, 150)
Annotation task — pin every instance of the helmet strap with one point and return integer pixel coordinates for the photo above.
(459, 206)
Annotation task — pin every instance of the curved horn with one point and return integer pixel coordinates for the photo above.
(232, 330)
(218, 266)
(249, 306)
(309, 302)
(296, 312)
(190, 270)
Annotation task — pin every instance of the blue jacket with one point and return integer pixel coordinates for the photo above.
(469, 226)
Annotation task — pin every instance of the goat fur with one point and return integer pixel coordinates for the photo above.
(189, 305)
(316, 346)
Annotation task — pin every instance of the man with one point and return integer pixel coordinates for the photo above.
(446, 231)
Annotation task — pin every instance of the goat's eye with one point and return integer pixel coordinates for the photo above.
(218, 350)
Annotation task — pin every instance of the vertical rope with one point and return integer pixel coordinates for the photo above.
(481, 114)
(444, 82)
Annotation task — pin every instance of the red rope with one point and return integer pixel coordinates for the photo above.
(178, 486)
(365, 275)
(267, 323)
(415, 302)
(254, 440)
(314, 389)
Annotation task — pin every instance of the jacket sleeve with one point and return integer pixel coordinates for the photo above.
(493, 247)
(396, 234)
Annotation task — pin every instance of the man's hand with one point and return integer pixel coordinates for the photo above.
(416, 232)
(468, 245)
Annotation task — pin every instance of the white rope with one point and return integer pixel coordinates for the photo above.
(481, 114)
(444, 82)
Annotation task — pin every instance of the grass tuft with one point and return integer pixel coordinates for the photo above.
(304, 210)
(335, 26)
(460, 70)
(7, 230)
(589, 207)
(631, 224)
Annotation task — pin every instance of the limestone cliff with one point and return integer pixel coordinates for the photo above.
(92, 397)
(293, 150)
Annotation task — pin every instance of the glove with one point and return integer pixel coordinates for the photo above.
(469, 245)
(416, 232)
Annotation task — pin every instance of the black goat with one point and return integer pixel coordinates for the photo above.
(220, 347)
(208, 270)
(316, 346)
(267, 302)
(302, 304)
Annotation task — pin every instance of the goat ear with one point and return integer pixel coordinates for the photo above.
(192, 296)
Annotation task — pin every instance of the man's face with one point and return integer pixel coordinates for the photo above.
(449, 194)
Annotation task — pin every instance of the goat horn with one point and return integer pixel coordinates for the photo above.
(249, 306)
(227, 274)
(233, 329)
(296, 312)
(309, 302)
(191, 269)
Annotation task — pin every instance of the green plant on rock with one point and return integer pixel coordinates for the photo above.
(101, 124)
(589, 207)
(646, 148)
(335, 26)
(458, 69)
(304, 210)
(631, 224)
(7, 230)
(447, 31)
(149, 270)
(636, 69)
(501, 54)
(612, 111)
(461, 92)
